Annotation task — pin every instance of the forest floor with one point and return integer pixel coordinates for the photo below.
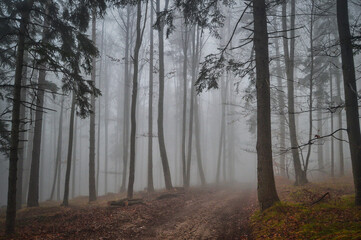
(317, 210)
(197, 213)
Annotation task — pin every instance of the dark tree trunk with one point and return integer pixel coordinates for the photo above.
(267, 194)
(21, 155)
(349, 79)
(340, 136)
(184, 115)
(150, 102)
(289, 61)
(162, 149)
(15, 120)
(58, 151)
(33, 195)
(126, 104)
(191, 105)
(70, 150)
(92, 190)
(133, 121)
(73, 180)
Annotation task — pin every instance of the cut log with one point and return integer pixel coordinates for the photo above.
(168, 195)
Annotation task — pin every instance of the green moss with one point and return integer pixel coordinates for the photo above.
(339, 219)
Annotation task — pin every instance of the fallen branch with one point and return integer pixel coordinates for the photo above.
(126, 202)
(321, 198)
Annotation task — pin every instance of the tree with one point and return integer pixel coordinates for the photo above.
(351, 96)
(267, 194)
(150, 103)
(15, 123)
(163, 152)
(70, 150)
(138, 43)
(58, 150)
(33, 194)
(92, 191)
(289, 55)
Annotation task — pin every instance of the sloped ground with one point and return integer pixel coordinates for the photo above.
(198, 213)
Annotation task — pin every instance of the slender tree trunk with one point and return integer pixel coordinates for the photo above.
(70, 150)
(106, 123)
(134, 101)
(33, 195)
(21, 155)
(267, 194)
(184, 119)
(74, 159)
(289, 61)
(310, 98)
(282, 117)
(191, 107)
(319, 127)
(163, 152)
(221, 137)
(15, 120)
(99, 106)
(58, 151)
(340, 135)
(352, 114)
(126, 103)
(332, 142)
(150, 104)
(92, 190)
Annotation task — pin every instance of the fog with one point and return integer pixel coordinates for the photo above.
(228, 147)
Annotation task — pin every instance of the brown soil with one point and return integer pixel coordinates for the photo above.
(198, 213)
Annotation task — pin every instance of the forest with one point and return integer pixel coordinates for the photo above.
(180, 119)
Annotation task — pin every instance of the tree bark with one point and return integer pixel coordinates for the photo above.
(15, 120)
(340, 135)
(150, 103)
(33, 195)
(134, 101)
(73, 180)
(92, 190)
(126, 104)
(267, 194)
(163, 152)
(58, 151)
(349, 79)
(289, 61)
(184, 118)
(70, 150)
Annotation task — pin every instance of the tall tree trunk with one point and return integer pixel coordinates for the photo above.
(74, 159)
(70, 150)
(127, 88)
(197, 132)
(99, 106)
(133, 129)
(150, 103)
(58, 151)
(319, 128)
(15, 120)
(352, 114)
(310, 98)
(289, 61)
(21, 155)
(340, 135)
(92, 190)
(282, 117)
(106, 123)
(163, 152)
(33, 195)
(332, 142)
(267, 194)
(184, 118)
(221, 137)
(190, 129)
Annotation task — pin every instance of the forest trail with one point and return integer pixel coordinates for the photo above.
(198, 213)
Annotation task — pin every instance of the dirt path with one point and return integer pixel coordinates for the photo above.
(206, 213)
